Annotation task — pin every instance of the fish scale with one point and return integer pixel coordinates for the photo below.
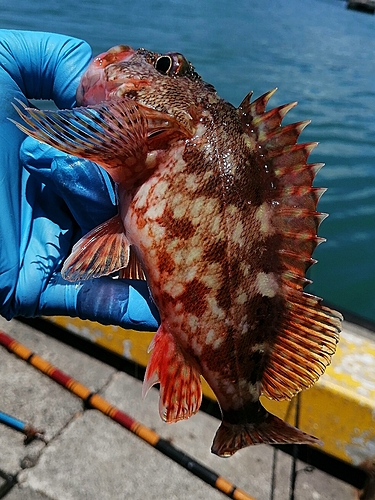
(217, 211)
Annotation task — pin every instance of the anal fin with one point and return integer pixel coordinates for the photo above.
(180, 385)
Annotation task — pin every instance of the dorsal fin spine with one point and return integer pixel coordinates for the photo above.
(283, 136)
(308, 333)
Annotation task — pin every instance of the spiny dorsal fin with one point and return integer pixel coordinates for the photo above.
(291, 201)
(257, 107)
(308, 332)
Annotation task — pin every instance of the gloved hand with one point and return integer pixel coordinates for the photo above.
(48, 199)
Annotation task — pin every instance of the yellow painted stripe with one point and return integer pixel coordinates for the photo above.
(224, 485)
(41, 364)
(78, 389)
(101, 404)
(145, 433)
(339, 409)
(241, 495)
(21, 351)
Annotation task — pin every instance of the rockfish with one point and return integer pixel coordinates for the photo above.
(217, 212)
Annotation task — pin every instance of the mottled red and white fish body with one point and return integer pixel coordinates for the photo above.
(217, 211)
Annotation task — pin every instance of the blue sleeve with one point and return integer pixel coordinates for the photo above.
(32, 65)
(49, 199)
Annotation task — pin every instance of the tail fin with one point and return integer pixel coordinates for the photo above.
(230, 438)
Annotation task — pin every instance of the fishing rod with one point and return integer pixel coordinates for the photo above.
(94, 400)
(30, 432)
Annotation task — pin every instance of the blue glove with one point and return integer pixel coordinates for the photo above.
(50, 199)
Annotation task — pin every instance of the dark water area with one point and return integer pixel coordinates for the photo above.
(315, 51)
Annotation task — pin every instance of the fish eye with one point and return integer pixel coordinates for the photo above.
(180, 64)
(163, 64)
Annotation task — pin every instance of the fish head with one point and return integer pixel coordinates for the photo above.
(94, 86)
(165, 82)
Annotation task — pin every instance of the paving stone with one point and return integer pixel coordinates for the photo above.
(249, 469)
(95, 458)
(91, 457)
(32, 398)
(20, 493)
(87, 370)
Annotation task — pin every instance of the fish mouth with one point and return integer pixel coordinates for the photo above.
(117, 54)
(94, 86)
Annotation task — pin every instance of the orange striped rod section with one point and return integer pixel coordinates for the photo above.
(93, 400)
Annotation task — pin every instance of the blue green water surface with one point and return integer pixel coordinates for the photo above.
(314, 51)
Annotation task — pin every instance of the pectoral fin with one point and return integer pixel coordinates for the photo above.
(102, 251)
(115, 134)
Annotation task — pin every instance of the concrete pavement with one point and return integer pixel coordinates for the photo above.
(88, 456)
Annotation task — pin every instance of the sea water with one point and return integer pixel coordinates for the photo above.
(315, 51)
